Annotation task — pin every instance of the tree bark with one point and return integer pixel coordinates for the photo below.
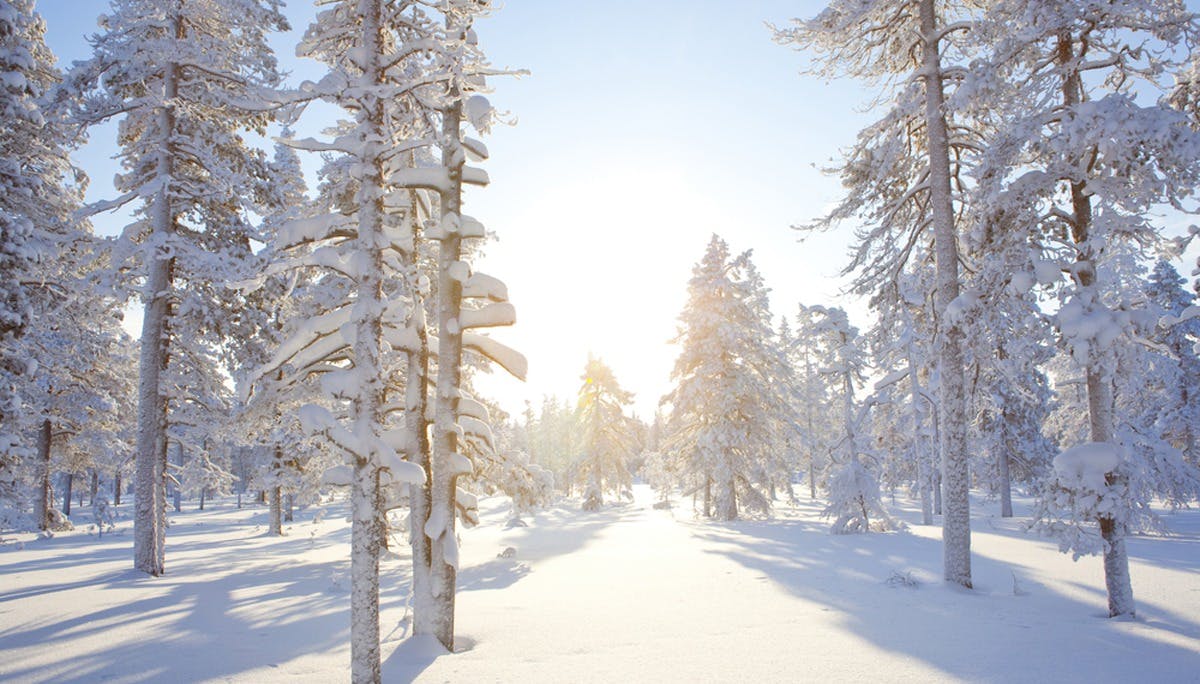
(68, 482)
(417, 424)
(117, 484)
(367, 405)
(275, 521)
(1099, 385)
(446, 463)
(43, 502)
(1006, 510)
(956, 526)
(149, 492)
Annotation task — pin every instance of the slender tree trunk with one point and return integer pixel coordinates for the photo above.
(937, 490)
(117, 484)
(289, 509)
(447, 464)
(68, 482)
(1006, 510)
(203, 491)
(95, 486)
(1099, 385)
(176, 491)
(43, 502)
(417, 424)
(708, 496)
(924, 476)
(366, 407)
(148, 494)
(274, 494)
(275, 523)
(956, 527)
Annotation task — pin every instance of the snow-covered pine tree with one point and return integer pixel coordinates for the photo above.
(551, 440)
(1008, 342)
(721, 433)
(811, 389)
(1068, 79)
(41, 245)
(1178, 370)
(900, 342)
(184, 80)
(854, 501)
(899, 179)
(606, 435)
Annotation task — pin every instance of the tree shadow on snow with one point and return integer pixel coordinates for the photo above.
(221, 610)
(995, 632)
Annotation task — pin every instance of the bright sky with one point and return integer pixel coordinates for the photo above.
(644, 128)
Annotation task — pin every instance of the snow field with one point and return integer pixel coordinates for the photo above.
(626, 593)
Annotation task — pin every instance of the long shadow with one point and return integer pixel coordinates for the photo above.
(261, 604)
(983, 635)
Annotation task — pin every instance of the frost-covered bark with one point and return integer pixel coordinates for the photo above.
(956, 506)
(899, 179)
(446, 463)
(1081, 164)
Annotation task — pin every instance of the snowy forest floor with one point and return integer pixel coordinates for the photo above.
(626, 593)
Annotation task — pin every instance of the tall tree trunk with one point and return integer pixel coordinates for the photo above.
(289, 509)
(956, 526)
(417, 424)
(1099, 384)
(117, 484)
(203, 492)
(367, 406)
(43, 502)
(447, 464)
(149, 495)
(95, 486)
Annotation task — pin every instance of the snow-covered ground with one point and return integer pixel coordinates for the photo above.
(625, 594)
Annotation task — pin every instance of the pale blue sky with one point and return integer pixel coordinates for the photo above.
(643, 128)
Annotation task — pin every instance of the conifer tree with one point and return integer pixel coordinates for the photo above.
(606, 435)
(183, 79)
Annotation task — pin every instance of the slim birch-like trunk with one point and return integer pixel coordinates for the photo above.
(445, 471)
(43, 502)
(956, 526)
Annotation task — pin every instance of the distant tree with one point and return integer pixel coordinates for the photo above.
(854, 500)
(606, 435)
(722, 431)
